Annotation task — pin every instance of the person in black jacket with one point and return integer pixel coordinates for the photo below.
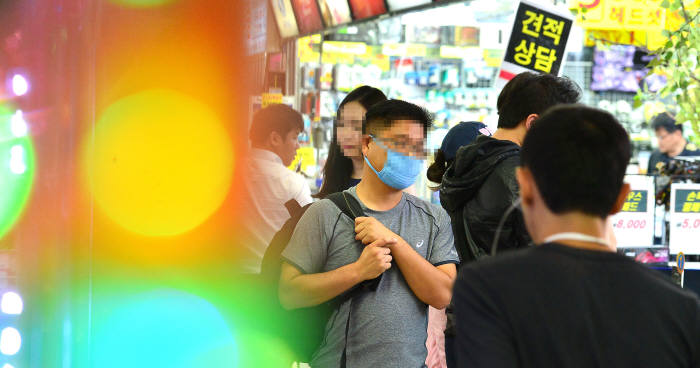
(480, 186)
(572, 300)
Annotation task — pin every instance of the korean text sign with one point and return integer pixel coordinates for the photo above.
(685, 219)
(634, 224)
(538, 39)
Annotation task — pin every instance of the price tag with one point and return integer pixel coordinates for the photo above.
(634, 224)
(684, 220)
(271, 99)
(680, 262)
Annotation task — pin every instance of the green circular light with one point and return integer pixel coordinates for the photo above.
(17, 167)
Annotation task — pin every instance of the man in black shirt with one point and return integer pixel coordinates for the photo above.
(672, 144)
(572, 301)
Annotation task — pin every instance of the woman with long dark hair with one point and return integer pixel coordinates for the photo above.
(460, 135)
(343, 168)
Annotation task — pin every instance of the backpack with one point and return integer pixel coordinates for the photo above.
(302, 330)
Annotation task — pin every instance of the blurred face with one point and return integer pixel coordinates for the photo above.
(403, 136)
(286, 147)
(349, 129)
(667, 141)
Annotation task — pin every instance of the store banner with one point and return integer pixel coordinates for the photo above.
(684, 220)
(362, 9)
(537, 41)
(623, 15)
(634, 224)
(405, 49)
(308, 16)
(395, 5)
(286, 23)
(271, 99)
(335, 12)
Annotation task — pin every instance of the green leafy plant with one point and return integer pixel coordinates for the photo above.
(679, 60)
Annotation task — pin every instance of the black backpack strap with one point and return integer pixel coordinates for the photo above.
(348, 204)
(467, 249)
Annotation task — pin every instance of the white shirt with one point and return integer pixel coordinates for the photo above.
(269, 185)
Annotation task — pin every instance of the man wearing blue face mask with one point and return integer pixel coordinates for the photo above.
(329, 254)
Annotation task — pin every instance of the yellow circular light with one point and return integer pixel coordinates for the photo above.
(160, 162)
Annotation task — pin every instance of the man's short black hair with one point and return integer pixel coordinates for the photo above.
(383, 113)
(278, 118)
(667, 122)
(531, 93)
(578, 156)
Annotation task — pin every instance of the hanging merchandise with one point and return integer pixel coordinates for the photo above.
(343, 77)
(395, 5)
(286, 23)
(308, 17)
(335, 12)
(362, 9)
(326, 78)
(309, 76)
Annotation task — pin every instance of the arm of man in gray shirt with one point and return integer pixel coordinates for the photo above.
(303, 282)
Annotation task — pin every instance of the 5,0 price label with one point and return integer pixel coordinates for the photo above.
(685, 218)
(689, 224)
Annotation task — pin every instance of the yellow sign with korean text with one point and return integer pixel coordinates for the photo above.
(404, 49)
(353, 48)
(271, 99)
(457, 52)
(306, 156)
(538, 39)
(625, 15)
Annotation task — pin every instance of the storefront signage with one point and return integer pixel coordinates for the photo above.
(456, 52)
(335, 12)
(537, 42)
(304, 160)
(684, 220)
(354, 48)
(404, 49)
(308, 16)
(286, 23)
(624, 15)
(271, 99)
(634, 224)
(362, 9)
(405, 4)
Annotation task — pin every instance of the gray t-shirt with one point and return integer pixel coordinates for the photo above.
(388, 328)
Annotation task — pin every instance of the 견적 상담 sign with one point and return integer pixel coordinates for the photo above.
(537, 42)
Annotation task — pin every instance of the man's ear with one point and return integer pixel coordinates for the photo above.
(525, 181)
(365, 144)
(621, 197)
(530, 120)
(275, 139)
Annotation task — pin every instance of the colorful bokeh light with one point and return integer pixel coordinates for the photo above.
(160, 163)
(20, 85)
(141, 3)
(11, 303)
(16, 168)
(163, 328)
(10, 341)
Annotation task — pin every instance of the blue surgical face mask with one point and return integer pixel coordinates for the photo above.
(400, 171)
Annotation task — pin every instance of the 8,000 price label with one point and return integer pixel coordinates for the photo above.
(630, 224)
